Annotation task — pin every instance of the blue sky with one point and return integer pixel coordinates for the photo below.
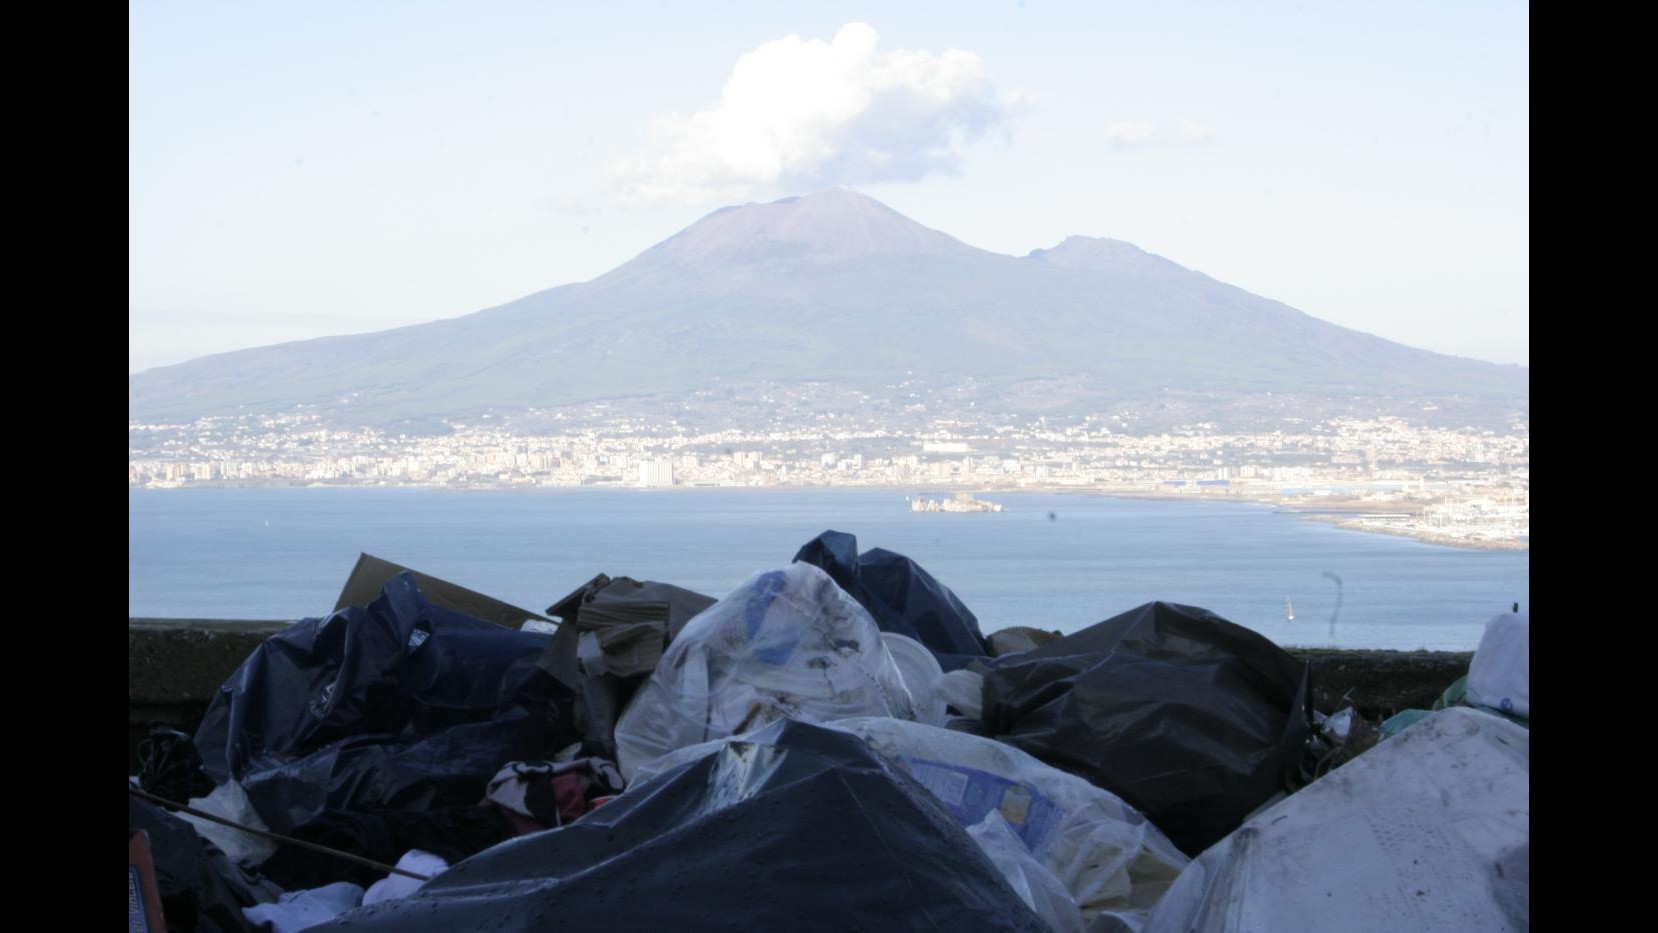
(304, 169)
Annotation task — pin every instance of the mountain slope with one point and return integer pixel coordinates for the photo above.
(831, 287)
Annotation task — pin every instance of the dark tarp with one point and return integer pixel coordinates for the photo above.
(452, 834)
(200, 888)
(371, 574)
(611, 634)
(901, 596)
(169, 766)
(797, 828)
(1193, 720)
(400, 705)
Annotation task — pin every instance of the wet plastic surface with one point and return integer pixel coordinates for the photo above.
(797, 828)
(1193, 720)
(400, 705)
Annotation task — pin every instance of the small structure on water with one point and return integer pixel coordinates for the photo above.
(963, 502)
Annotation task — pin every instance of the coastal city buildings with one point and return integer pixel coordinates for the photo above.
(1461, 486)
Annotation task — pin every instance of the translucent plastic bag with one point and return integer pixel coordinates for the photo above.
(1035, 884)
(786, 643)
(1112, 863)
(1109, 857)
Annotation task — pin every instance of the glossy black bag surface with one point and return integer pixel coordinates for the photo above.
(901, 596)
(796, 828)
(400, 704)
(1194, 720)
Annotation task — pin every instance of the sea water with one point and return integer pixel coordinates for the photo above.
(1051, 561)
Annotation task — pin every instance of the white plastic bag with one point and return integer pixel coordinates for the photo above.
(1108, 856)
(963, 689)
(786, 643)
(1500, 675)
(1430, 830)
(393, 887)
(230, 801)
(921, 676)
(297, 911)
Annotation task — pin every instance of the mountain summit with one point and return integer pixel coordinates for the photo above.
(837, 288)
(828, 226)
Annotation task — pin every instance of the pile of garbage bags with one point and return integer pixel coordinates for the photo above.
(400, 705)
(756, 834)
(1047, 830)
(833, 744)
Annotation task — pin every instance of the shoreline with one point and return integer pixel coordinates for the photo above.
(1429, 537)
(1342, 513)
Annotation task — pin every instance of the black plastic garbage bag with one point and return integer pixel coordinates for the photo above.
(200, 888)
(451, 834)
(902, 597)
(1193, 720)
(794, 828)
(397, 705)
(170, 767)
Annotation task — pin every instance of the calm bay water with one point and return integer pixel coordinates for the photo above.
(285, 553)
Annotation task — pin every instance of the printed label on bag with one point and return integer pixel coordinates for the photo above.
(969, 794)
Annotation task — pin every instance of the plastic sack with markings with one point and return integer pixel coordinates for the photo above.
(785, 644)
(1107, 854)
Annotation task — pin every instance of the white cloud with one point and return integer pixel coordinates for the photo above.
(1140, 135)
(797, 114)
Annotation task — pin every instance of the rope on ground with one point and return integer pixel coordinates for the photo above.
(289, 840)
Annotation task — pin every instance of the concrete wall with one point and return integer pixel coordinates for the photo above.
(174, 666)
